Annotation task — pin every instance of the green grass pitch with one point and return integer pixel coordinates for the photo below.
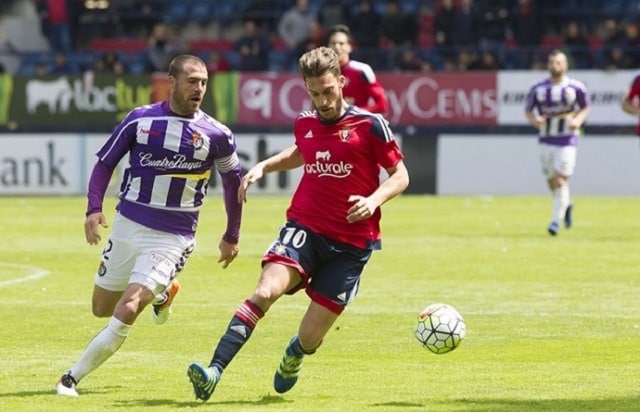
(553, 324)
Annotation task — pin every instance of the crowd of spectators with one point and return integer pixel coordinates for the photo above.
(390, 35)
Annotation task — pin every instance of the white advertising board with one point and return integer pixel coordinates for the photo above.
(606, 89)
(60, 164)
(510, 165)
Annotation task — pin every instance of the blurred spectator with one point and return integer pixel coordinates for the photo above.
(333, 12)
(409, 60)
(139, 16)
(444, 28)
(60, 64)
(620, 49)
(488, 60)
(466, 33)
(2, 68)
(399, 28)
(493, 17)
(526, 28)
(55, 18)
(464, 59)
(293, 29)
(317, 38)
(41, 69)
(365, 32)
(576, 45)
(253, 47)
(109, 63)
(265, 13)
(616, 58)
(217, 62)
(163, 46)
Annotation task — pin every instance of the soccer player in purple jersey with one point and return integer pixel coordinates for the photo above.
(558, 107)
(171, 147)
(332, 222)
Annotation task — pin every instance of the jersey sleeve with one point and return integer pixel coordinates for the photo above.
(385, 146)
(119, 143)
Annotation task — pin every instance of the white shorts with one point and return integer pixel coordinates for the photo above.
(138, 254)
(558, 159)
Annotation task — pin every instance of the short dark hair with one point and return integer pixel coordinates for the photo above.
(339, 28)
(176, 67)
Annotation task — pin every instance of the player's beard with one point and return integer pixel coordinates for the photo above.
(336, 111)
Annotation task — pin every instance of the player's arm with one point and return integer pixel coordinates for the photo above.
(231, 176)
(364, 207)
(579, 118)
(535, 119)
(98, 183)
(380, 103)
(287, 159)
(629, 105)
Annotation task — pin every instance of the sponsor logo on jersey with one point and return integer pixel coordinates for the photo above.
(323, 167)
(150, 132)
(309, 135)
(178, 161)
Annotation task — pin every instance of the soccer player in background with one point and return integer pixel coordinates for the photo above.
(332, 224)
(172, 146)
(631, 101)
(361, 86)
(558, 107)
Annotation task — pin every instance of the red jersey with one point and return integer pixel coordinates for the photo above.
(341, 159)
(634, 95)
(362, 86)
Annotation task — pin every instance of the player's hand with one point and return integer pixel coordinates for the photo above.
(253, 175)
(92, 227)
(228, 253)
(541, 121)
(573, 124)
(363, 208)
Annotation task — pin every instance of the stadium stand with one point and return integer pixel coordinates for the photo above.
(204, 25)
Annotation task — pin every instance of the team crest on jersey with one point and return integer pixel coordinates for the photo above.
(197, 141)
(102, 269)
(345, 134)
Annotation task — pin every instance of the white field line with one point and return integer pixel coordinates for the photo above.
(32, 273)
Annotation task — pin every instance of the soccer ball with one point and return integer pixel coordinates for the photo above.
(440, 328)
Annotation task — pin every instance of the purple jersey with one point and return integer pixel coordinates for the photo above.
(170, 162)
(557, 102)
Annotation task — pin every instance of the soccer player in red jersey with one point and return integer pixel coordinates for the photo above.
(361, 86)
(631, 101)
(332, 222)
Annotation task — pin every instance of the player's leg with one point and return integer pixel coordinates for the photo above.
(314, 326)
(141, 263)
(331, 289)
(162, 303)
(275, 280)
(564, 161)
(134, 299)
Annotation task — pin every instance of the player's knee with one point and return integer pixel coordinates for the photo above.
(101, 311)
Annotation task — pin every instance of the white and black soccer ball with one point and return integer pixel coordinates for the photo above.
(440, 328)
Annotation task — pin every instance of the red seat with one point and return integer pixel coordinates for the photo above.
(118, 45)
(206, 45)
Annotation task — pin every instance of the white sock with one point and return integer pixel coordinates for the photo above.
(101, 347)
(561, 200)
